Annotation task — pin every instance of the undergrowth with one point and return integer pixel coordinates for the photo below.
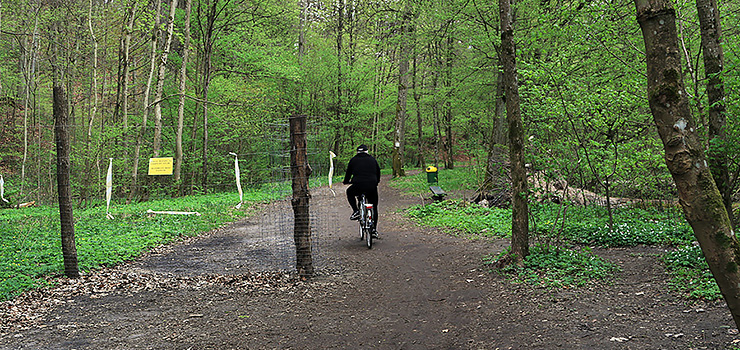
(556, 267)
(690, 273)
(570, 226)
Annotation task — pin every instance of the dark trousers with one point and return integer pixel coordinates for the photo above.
(371, 194)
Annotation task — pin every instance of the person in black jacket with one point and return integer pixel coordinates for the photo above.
(363, 172)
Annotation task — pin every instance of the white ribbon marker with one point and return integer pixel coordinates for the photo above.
(2, 189)
(331, 171)
(237, 174)
(109, 188)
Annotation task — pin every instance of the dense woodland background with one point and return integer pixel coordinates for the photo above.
(197, 79)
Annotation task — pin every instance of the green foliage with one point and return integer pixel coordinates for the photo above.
(633, 226)
(460, 217)
(30, 249)
(556, 267)
(690, 273)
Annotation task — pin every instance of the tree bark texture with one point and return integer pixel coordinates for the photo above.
(698, 195)
(520, 215)
(300, 171)
(711, 47)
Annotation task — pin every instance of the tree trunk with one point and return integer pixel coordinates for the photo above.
(208, 42)
(698, 194)
(300, 171)
(157, 144)
(62, 140)
(181, 90)
(449, 140)
(711, 38)
(126, 73)
(145, 105)
(94, 109)
(402, 97)
(520, 215)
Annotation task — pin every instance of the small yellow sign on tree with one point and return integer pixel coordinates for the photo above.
(160, 166)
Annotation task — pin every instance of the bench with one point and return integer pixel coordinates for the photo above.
(437, 192)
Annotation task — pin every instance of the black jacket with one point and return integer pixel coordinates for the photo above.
(362, 168)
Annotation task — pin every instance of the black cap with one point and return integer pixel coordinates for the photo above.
(362, 148)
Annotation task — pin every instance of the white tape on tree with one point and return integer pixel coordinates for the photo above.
(2, 189)
(331, 171)
(238, 176)
(109, 188)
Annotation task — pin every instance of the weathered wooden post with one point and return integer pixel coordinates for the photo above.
(300, 171)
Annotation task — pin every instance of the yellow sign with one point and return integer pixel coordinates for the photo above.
(160, 166)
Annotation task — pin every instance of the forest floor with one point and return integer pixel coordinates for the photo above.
(418, 288)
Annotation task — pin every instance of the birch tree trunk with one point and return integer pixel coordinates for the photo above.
(181, 102)
(711, 47)
(520, 215)
(157, 144)
(698, 195)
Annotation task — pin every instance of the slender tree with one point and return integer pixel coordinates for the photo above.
(520, 216)
(181, 101)
(698, 195)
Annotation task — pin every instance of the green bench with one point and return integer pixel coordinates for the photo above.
(437, 193)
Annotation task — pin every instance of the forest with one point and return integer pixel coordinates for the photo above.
(420, 82)
(197, 80)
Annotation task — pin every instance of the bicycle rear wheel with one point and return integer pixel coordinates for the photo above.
(368, 236)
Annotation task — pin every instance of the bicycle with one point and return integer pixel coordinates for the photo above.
(366, 221)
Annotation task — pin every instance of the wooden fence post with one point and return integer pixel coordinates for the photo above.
(300, 171)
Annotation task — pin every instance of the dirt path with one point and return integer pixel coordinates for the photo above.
(416, 289)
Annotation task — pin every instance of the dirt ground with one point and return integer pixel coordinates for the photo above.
(416, 289)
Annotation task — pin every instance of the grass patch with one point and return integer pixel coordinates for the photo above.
(556, 267)
(30, 244)
(461, 217)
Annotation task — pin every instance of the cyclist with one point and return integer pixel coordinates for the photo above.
(363, 172)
